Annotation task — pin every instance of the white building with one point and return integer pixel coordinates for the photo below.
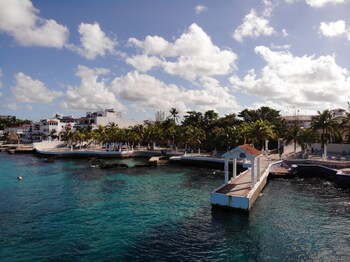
(20, 131)
(303, 121)
(42, 130)
(105, 117)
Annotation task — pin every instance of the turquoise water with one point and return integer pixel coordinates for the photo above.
(68, 211)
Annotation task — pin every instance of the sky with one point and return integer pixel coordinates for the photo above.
(138, 57)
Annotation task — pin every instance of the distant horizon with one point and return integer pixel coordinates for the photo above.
(145, 56)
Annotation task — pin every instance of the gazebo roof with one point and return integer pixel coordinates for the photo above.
(243, 151)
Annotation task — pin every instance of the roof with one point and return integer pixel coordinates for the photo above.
(243, 151)
(251, 150)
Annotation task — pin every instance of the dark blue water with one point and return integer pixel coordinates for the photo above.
(68, 211)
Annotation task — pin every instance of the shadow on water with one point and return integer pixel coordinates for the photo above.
(112, 186)
(201, 235)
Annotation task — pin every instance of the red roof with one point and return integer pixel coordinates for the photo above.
(251, 150)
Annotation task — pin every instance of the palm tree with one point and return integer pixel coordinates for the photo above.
(307, 136)
(260, 131)
(52, 134)
(244, 129)
(234, 136)
(153, 133)
(328, 125)
(67, 136)
(193, 136)
(325, 122)
(218, 135)
(99, 134)
(345, 124)
(174, 114)
(293, 134)
(193, 118)
(138, 133)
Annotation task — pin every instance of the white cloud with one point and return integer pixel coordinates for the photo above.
(200, 9)
(306, 82)
(273, 46)
(19, 18)
(322, 3)
(284, 32)
(12, 106)
(28, 90)
(268, 8)
(92, 93)
(191, 56)
(94, 42)
(333, 29)
(253, 26)
(144, 63)
(319, 3)
(145, 91)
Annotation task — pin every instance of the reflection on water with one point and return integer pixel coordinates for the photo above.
(68, 211)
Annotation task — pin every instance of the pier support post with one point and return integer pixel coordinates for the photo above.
(253, 174)
(258, 171)
(234, 167)
(226, 171)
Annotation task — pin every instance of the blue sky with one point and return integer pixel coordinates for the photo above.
(138, 57)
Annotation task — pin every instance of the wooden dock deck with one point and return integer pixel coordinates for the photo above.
(241, 185)
(238, 193)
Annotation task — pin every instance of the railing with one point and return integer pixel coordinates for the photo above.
(269, 168)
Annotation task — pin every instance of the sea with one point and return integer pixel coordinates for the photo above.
(70, 211)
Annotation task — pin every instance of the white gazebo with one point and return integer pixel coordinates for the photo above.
(251, 159)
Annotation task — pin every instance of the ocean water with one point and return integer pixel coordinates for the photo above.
(68, 211)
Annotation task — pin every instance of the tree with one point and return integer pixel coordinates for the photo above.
(138, 132)
(228, 120)
(193, 118)
(345, 124)
(244, 130)
(174, 114)
(99, 134)
(307, 136)
(170, 131)
(264, 112)
(293, 134)
(193, 136)
(259, 131)
(53, 134)
(112, 133)
(328, 125)
(153, 133)
(67, 135)
(209, 118)
(218, 135)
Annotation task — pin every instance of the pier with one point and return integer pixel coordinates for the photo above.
(241, 191)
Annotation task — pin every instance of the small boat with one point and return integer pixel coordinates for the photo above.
(343, 177)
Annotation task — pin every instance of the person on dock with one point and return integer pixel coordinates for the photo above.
(281, 149)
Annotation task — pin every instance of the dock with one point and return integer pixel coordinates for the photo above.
(16, 148)
(155, 161)
(241, 191)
